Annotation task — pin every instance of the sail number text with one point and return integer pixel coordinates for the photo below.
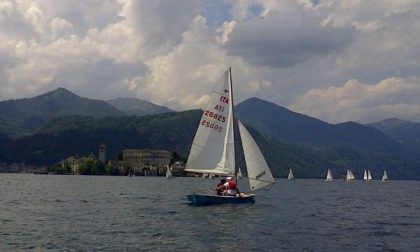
(211, 125)
(218, 117)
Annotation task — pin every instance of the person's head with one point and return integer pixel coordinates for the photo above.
(223, 180)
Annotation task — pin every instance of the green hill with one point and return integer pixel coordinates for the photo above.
(26, 116)
(81, 135)
(134, 106)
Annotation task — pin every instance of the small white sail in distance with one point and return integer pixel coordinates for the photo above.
(259, 174)
(385, 176)
(290, 176)
(365, 175)
(168, 172)
(329, 176)
(369, 175)
(351, 175)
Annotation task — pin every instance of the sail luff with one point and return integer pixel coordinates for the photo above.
(232, 115)
(228, 158)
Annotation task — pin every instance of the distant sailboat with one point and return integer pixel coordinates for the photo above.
(168, 172)
(369, 176)
(349, 175)
(385, 176)
(329, 176)
(290, 176)
(365, 176)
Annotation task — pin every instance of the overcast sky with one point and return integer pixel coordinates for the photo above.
(349, 60)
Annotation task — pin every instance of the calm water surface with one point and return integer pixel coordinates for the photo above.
(94, 213)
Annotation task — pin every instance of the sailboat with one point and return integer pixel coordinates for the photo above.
(213, 148)
(349, 175)
(290, 176)
(365, 178)
(329, 176)
(168, 172)
(369, 175)
(385, 176)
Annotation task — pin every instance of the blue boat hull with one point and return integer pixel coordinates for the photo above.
(208, 199)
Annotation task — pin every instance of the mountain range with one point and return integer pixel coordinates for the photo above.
(26, 116)
(68, 124)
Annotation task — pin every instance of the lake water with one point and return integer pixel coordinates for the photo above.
(95, 213)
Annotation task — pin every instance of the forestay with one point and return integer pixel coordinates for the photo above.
(259, 174)
(212, 150)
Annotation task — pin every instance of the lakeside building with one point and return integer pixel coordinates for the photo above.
(146, 162)
(74, 162)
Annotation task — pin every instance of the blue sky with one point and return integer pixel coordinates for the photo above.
(334, 60)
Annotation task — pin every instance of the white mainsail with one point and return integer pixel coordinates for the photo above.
(385, 176)
(365, 177)
(213, 150)
(329, 176)
(259, 174)
(369, 175)
(290, 176)
(351, 175)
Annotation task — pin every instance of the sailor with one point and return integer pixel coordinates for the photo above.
(220, 188)
(231, 186)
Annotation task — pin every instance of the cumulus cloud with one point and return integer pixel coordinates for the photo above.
(356, 101)
(286, 37)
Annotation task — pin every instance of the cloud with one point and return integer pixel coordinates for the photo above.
(173, 52)
(286, 38)
(356, 101)
(158, 25)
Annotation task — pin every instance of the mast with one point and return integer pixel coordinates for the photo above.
(233, 120)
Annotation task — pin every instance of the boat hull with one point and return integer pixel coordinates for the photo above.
(208, 199)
